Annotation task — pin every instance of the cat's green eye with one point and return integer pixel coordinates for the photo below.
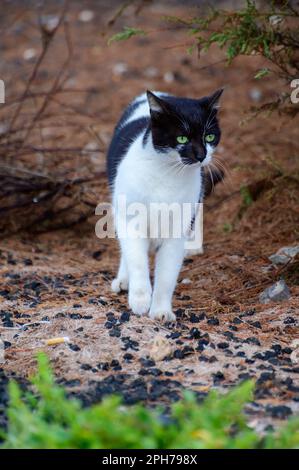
(182, 139)
(210, 138)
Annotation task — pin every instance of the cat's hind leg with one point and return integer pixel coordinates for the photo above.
(121, 282)
(194, 241)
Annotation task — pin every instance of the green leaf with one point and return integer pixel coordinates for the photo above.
(262, 73)
(127, 33)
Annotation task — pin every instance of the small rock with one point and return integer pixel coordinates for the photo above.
(151, 72)
(29, 54)
(255, 94)
(168, 77)
(161, 348)
(49, 22)
(284, 254)
(186, 281)
(85, 16)
(120, 68)
(275, 293)
(295, 353)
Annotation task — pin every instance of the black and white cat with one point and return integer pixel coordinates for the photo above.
(157, 155)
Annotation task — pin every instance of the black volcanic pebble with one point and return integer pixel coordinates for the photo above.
(266, 377)
(240, 354)
(85, 367)
(185, 297)
(194, 318)
(103, 366)
(181, 353)
(128, 357)
(74, 347)
(70, 383)
(147, 362)
(213, 321)
(115, 364)
(97, 254)
(244, 376)
(248, 313)
(218, 377)
(194, 333)
(179, 313)
(132, 392)
(151, 371)
(115, 332)
(223, 345)
(249, 361)
(277, 348)
(174, 335)
(233, 328)
(203, 358)
(178, 354)
(279, 411)
(129, 344)
(252, 340)
(289, 321)
(125, 316)
(75, 316)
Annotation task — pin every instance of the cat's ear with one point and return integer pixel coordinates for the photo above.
(156, 104)
(213, 100)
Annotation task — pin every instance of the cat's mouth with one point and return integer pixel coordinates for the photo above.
(196, 162)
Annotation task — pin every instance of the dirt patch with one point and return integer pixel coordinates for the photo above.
(58, 283)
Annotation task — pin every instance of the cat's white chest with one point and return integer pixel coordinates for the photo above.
(147, 177)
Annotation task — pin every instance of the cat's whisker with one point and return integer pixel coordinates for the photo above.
(226, 180)
(211, 175)
(227, 171)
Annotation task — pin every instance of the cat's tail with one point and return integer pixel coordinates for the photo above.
(211, 178)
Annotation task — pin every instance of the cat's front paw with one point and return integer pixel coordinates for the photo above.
(118, 284)
(162, 314)
(140, 301)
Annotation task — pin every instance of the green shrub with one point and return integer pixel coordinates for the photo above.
(48, 419)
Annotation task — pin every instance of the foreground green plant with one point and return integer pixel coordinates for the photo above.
(51, 420)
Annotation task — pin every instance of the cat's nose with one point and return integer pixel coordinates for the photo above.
(201, 156)
(199, 153)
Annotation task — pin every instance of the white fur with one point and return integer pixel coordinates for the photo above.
(144, 176)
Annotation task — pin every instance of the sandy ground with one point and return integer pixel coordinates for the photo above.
(58, 283)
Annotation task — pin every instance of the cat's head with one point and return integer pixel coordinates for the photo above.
(185, 128)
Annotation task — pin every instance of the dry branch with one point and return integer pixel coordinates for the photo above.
(45, 180)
